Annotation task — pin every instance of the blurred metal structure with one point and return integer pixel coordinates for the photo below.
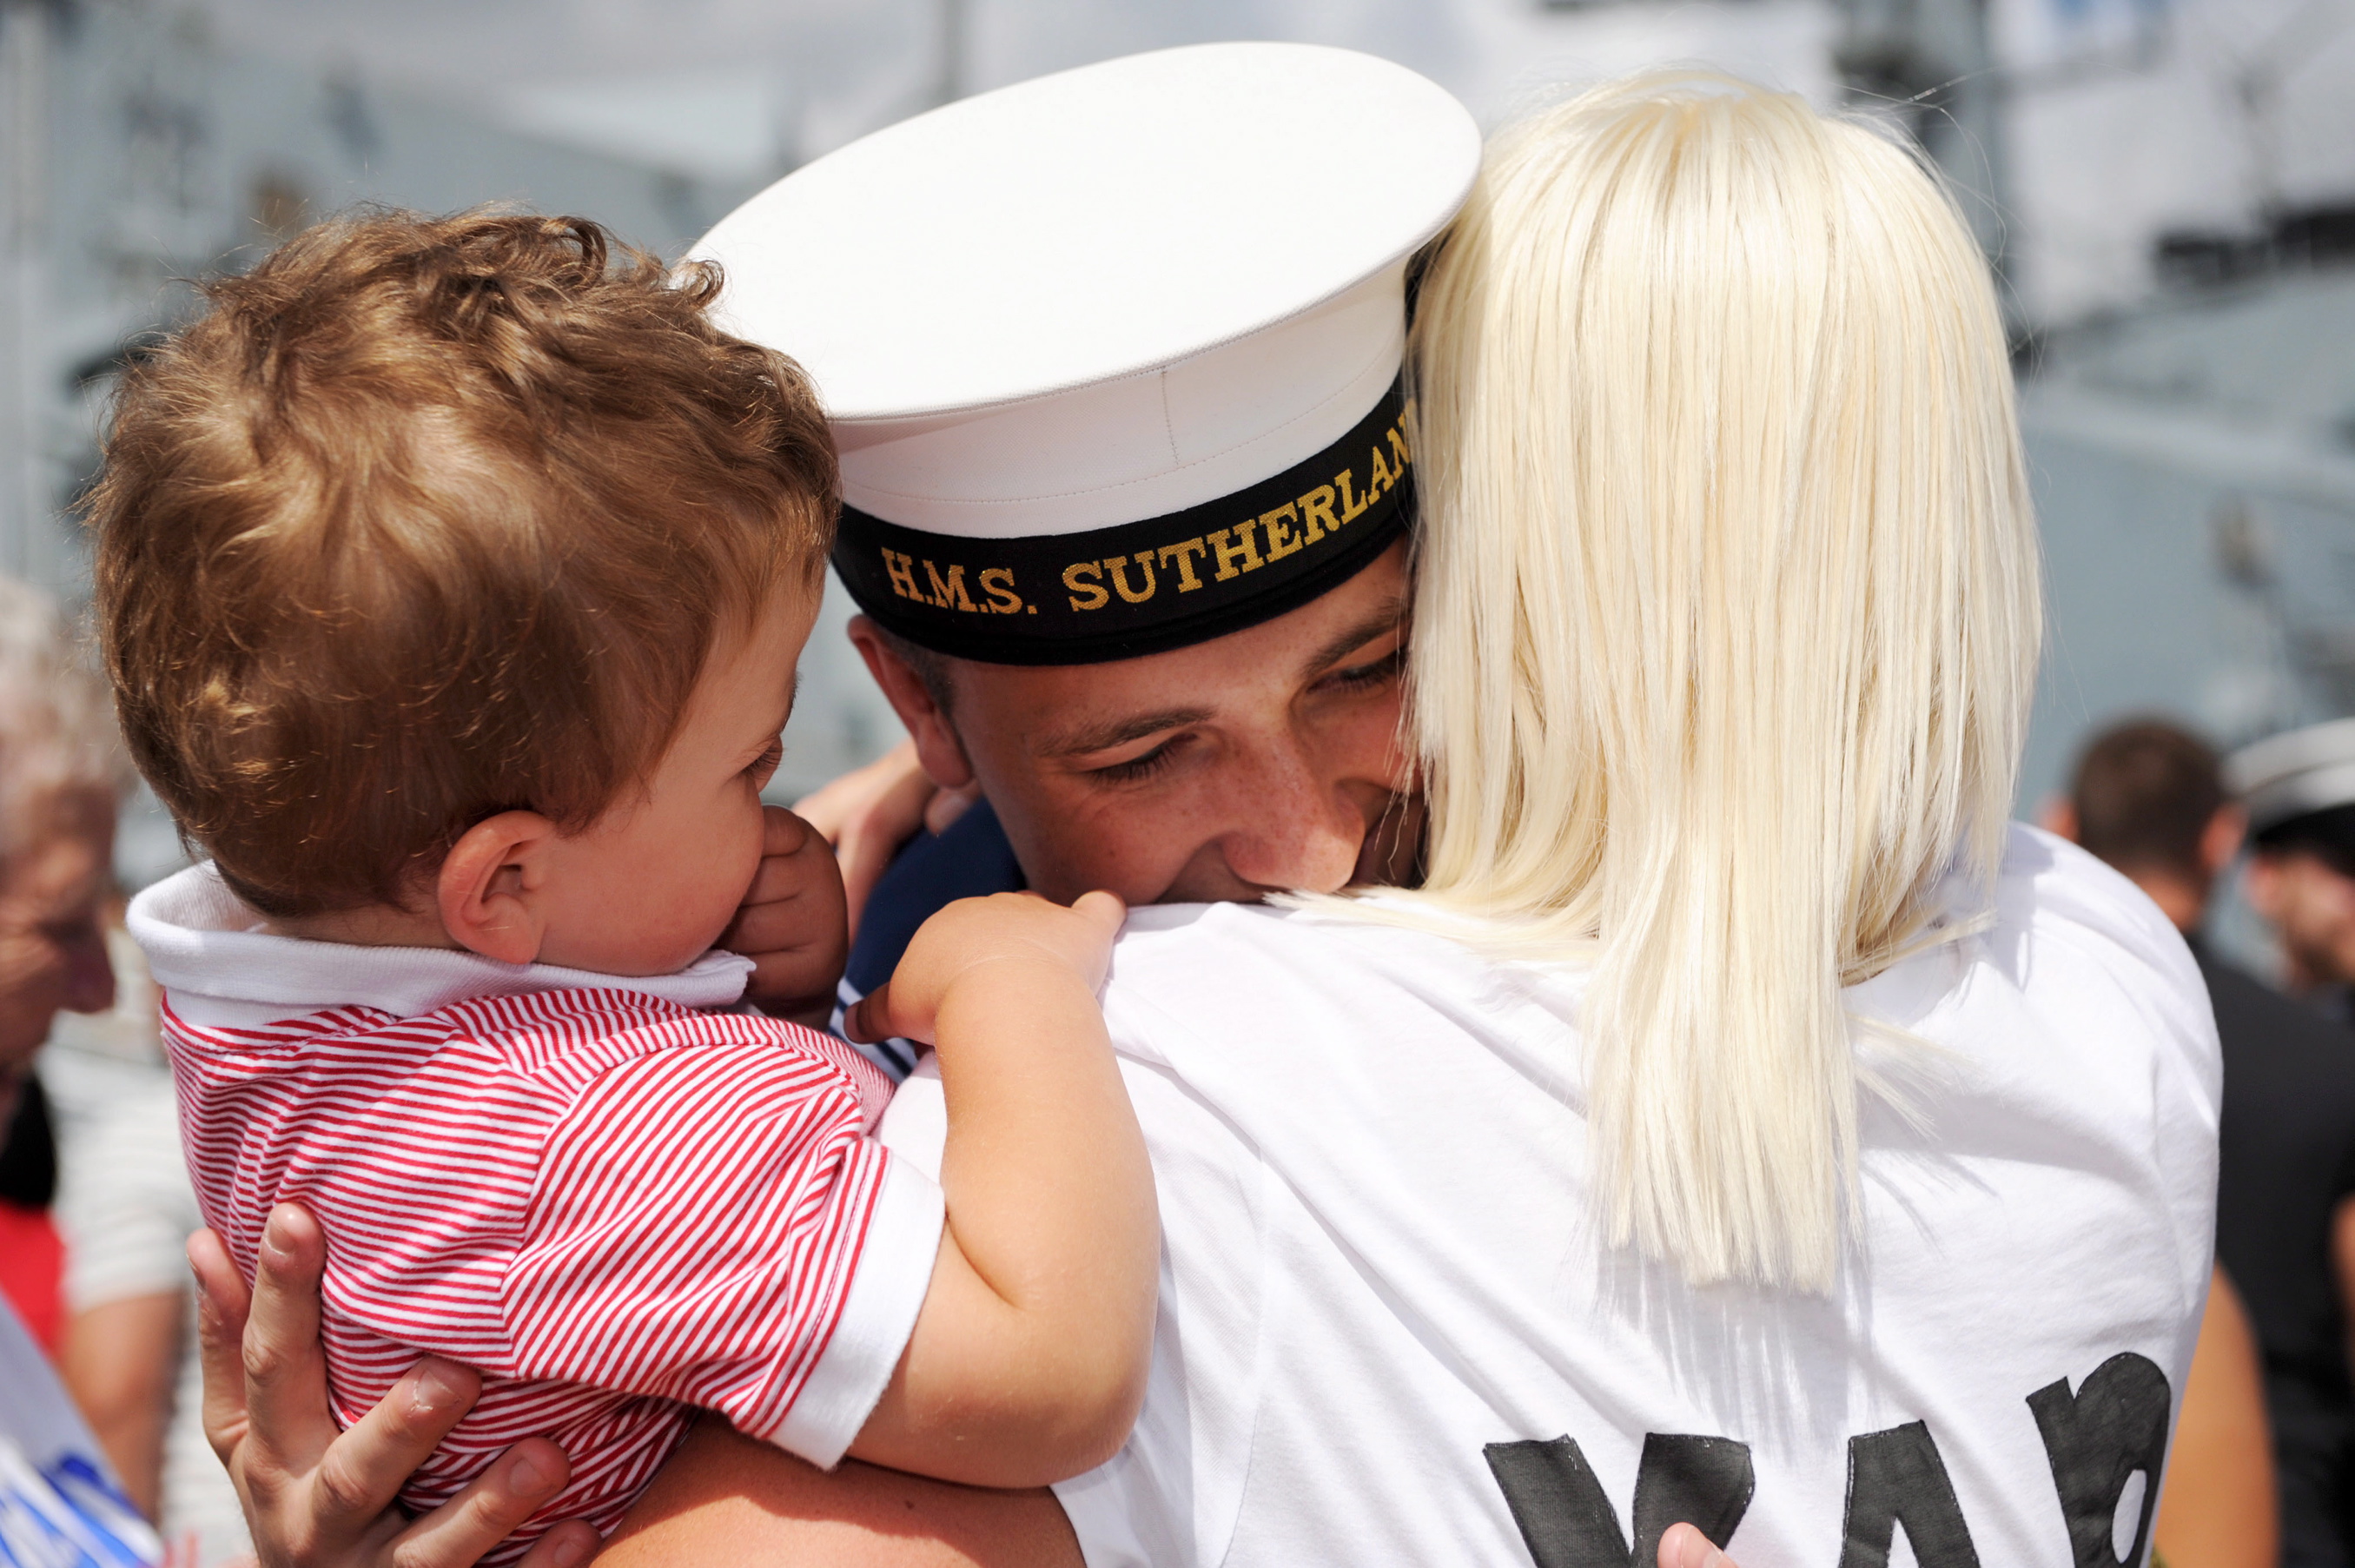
(138, 156)
(135, 155)
(25, 542)
(948, 85)
(1929, 65)
(2258, 78)
(2193, 457)
(2194, 466)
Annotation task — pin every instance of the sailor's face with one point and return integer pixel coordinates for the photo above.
(1264, 760)
(2310, 904)
(52, 936)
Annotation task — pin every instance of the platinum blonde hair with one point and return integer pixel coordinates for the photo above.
(1726, 622)
(57, 726)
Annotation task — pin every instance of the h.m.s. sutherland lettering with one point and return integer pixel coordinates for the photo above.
(1184, 566)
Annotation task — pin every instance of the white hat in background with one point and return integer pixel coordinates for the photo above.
(2295, 774)
(1113, 356)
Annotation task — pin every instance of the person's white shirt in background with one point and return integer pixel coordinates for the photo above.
(93, 1062)
(1389, 1327)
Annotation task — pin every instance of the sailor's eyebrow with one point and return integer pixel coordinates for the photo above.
(1103, 735)
(1385, 619)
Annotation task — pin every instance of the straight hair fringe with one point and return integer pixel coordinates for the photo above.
(1726, 625)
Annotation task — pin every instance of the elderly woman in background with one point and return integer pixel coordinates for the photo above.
(61, 777)
(62, 773)
(100, 1277)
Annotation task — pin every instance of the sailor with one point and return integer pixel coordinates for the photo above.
(2286, 1195)
(1113, 361)
(2298, 789)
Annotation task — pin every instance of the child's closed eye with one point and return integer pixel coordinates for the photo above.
(762, 768)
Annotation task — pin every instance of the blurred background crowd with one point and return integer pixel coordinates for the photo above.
(2166, 188)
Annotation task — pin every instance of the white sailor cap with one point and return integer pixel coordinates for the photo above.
(1112, 356)
(2297, 774)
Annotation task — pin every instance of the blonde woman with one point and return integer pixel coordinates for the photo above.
(1742, 1124)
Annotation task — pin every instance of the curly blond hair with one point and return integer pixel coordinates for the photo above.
(428, 518)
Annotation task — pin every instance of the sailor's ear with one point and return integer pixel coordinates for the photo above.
(2058, 816)
(491, 890)
(922, 703)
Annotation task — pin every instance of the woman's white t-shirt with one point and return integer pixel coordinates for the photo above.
(1388, 1333)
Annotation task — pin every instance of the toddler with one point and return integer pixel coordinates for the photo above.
(452, 575)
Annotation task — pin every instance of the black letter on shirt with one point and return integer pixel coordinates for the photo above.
(1566, 1523)
(2114, 1425)
(1897, 1477)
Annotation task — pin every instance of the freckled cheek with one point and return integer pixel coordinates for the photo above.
(1138, 849)
(1369, 745)
(1078, 840)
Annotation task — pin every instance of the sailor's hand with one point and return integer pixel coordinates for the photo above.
(318, 1498)
(791, 924)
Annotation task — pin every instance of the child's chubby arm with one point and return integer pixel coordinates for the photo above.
(1028, 1362)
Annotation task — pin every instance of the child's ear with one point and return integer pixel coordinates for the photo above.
(492, 888)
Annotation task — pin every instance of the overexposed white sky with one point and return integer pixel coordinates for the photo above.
(2133, 116)
(707, 80)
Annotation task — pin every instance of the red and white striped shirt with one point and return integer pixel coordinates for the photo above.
(614, 1204)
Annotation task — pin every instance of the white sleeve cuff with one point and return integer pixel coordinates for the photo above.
(887, 1291)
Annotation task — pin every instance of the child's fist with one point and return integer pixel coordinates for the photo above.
(1016, 928)
(791, 924)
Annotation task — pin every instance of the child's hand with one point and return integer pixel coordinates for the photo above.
(791, 924)
(973, 932)
(869, 813)
(1028, 1360)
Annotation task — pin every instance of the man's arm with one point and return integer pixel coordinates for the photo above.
(315, 1497)
(721, 1499)
(2217, 1510)
(121, 1362)
(2343, 1271)
(724, 1497)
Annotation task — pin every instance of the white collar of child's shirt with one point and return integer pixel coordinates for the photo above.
(207, 948)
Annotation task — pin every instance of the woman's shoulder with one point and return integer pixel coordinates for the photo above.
(2070, 974)
(2044, 877)
(2054, 897)
(1191, 957)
